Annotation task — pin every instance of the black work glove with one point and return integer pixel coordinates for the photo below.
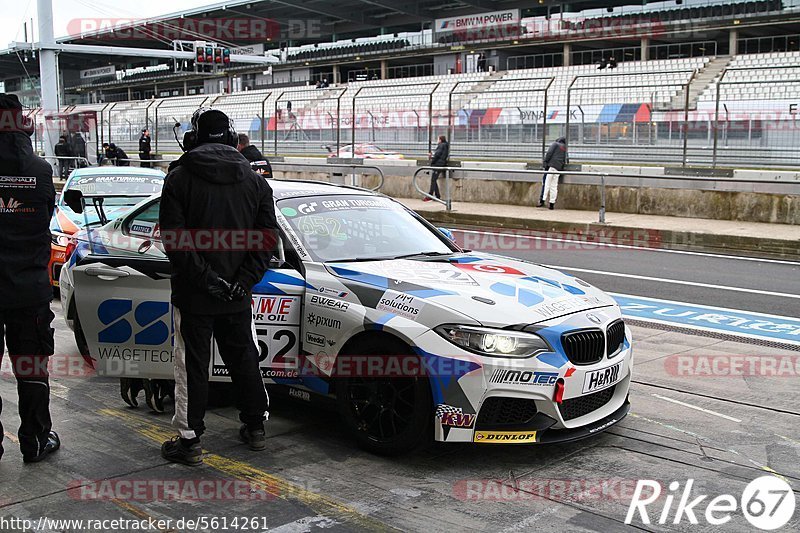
(220, 289)
(238, 292)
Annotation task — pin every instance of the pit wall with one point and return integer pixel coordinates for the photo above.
(640, 191)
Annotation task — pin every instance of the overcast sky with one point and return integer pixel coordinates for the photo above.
(14, 12)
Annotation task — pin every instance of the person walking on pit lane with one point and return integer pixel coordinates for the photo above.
(554, 161)
(438, 159)
(212, 187)
(27, 200)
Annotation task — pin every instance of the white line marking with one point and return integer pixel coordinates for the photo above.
(631, 247)
(675, 281)
(696, 408)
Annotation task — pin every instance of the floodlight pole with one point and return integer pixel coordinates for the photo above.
(48, 71)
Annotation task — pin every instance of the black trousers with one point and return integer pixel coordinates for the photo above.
(29, 338)
(434, 189)
(235, 336)
(144, 156)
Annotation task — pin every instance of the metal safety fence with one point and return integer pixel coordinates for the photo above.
(735, 115)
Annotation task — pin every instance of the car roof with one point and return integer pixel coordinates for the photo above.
(109, 170)
(296, 188)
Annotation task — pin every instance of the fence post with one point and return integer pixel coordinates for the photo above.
(449, 202)
(686, 120)
(544, 117)
(569, 101)
(716, 119)
(602, 199)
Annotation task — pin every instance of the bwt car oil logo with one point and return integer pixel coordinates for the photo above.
(147, 315)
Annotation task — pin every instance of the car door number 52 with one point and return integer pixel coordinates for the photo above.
(283, 343)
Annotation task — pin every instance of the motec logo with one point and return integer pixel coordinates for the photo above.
(767, 502)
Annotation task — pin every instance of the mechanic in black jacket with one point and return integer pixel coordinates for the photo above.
(258, 162)
(27, 200)
(119, 155)
(212, 191)
(144, 148)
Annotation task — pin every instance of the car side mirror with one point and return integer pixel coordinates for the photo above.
(447, 233)
(74, 199)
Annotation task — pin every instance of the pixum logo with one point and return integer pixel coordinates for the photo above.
(767, 502)
(245, 29)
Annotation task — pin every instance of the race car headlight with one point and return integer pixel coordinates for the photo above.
(59, 239)
(494, 342)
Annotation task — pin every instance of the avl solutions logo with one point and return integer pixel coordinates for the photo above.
(768, 503)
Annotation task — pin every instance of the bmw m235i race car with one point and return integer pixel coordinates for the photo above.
(368, 304)
(120, 181)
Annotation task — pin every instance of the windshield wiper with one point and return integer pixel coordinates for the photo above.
(425, 254)
(358, 259)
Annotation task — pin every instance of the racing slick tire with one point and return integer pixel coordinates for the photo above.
(386, 415)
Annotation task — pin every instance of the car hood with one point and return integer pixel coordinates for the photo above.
(494, 291)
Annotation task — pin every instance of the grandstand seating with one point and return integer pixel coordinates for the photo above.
(363, 48)
(747, 73)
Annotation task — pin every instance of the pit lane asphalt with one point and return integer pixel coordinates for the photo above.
(318, 479)
(624, 270)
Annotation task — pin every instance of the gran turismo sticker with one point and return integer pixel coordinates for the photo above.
(504, 437)
(421, 273)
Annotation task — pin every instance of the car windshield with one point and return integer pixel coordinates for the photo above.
(358, 228)
(136, 186)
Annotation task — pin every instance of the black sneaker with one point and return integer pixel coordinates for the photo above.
(540, 204)
(176, 451)
(53, 443)
(256, 439)
(552, 206)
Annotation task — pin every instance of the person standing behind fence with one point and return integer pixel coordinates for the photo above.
(144, 148)
(61, 149)
(554, 162)
(258, 162)
(438, 159)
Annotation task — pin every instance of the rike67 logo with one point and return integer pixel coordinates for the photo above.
(767, 503)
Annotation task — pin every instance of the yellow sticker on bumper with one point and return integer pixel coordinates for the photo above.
(504, 437)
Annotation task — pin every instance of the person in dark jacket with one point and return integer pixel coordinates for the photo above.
(258, 162)
(77, 147)
(62, 149)
(438, 159)
(118, 155)
(554, 161)
(27, 200)
(212, 188)
(144, 148)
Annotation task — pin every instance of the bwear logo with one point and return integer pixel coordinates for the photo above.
(329, 303)
(523, 377)
(119, 330)
(504, 437)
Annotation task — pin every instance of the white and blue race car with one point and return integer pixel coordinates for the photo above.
(369, 304)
